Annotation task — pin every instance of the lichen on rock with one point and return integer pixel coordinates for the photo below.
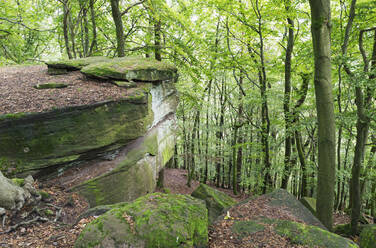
(154, 220)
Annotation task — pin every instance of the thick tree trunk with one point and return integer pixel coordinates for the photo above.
(321, 24)
(116, 15)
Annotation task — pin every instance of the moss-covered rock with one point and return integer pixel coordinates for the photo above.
(50, 85)
(56, 71)
(310, 204)
(311, 236)
(154, 220)
(18, 181)
(73, 64)
(132, 69)
(216, 201)
(281, 198)
(125, 84)
(35, 141)
(368, 237)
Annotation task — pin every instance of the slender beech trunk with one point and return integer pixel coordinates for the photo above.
(116, 15)
(72, 33)
(219, 135)
(239, 159)
(286, 100)
(265, 122)
(192, 167)
(157, 40)
(66, 28)
(362, 126)
(235, 137)
(94, 44)
(207, 137)
(320, 26)
(343, 193)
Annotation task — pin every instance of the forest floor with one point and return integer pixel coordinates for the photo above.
(63, 208)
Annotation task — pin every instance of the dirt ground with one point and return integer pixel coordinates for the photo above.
(17, 92)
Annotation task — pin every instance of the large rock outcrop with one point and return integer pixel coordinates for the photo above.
(118, 145)
(154, 220)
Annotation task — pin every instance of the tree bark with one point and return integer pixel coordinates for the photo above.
(321, 27)
(362, 126)
(286, 102)
(66, 28)
(116, 15)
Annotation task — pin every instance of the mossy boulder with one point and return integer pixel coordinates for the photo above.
(309, 203)
(281, 198)
(132, 69)
(216, 201)
(50, 85)
(55, 67)
(56, 71)
(368, 237)
(297, 233)
(312, 236)
(154, 220)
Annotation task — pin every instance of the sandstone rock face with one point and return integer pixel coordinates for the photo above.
(154, 220)
(137, 133)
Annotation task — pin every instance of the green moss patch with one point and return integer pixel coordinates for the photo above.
(51, 85)
(368, 237)
(132, 69)
(309, 203)
(75, 64)
(311, 236)
(245, 228)
(125, 84)
(56, 71)
(216, 201)
(18, 181)
(154, 220)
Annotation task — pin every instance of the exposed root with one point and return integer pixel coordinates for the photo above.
(25, 223)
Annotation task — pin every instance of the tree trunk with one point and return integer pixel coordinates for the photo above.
(116, 15)
(157, 40)
(320, 26)
(66, 29)
(93, 46)
(362, 126)
(286, 102)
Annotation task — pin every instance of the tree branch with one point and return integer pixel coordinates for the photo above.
(130, 7)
